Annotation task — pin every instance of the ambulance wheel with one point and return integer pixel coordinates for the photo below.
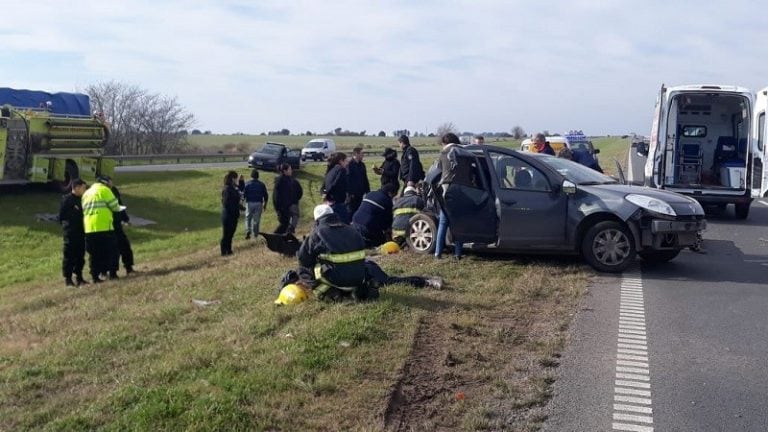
(421, 234)
(742, 211)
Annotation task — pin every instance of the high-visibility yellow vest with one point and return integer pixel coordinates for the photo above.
(98, 204)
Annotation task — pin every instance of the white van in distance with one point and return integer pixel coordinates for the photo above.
(318, 149)
(708, 142)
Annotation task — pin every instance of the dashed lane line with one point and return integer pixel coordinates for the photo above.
(632, 409)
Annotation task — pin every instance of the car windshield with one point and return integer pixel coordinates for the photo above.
(271, 149)
(581, 145)
(575, 172)
(315, 144)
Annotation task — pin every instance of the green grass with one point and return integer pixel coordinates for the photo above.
(612, 148)
(137, 354)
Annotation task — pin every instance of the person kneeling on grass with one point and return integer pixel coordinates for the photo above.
(332, 263)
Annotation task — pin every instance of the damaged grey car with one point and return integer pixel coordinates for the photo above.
(501, 200)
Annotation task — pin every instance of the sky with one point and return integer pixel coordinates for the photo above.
(483, 65)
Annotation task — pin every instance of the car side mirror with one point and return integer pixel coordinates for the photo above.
(596, 151)
(642, 150)
(569, 187)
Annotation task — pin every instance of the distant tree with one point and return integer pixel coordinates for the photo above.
(284, 131)
(207, 132)
(263, 133)
(382, 134)
(196, 132)
(141, 122)
(446, 128)
(309, 133)
(518, 132)
(337, 131)
(399, 132)
(431, 135)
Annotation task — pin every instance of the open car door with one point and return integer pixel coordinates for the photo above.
(469, 202)
(653, 167)
(759, 135)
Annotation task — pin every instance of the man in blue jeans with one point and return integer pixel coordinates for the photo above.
(450, 141)
(255, 194)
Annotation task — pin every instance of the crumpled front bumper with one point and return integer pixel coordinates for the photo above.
(663, 234)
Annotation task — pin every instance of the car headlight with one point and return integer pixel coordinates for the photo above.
(651, 204)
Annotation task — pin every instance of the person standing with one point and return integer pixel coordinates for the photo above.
(478, 140)
(390, 169)
(336, 186)
(541, 145)
(230, 212)
(357, 177)
(99, 204)
(124, 249)
(285, 199)
(450, 141)
(256, 196)
(411, 170)
(71, 220)
(373, 220)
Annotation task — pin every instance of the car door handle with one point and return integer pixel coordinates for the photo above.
(509, 202)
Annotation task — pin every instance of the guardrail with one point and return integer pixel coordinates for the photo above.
(178, 158)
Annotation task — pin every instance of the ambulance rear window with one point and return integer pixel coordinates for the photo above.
(694, 131)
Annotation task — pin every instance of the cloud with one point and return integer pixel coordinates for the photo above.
(484, 65)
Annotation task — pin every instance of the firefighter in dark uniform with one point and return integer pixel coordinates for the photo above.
(373, 220)
(71, 220)
(408, 205)
(411, 170)
(124, 249)
(333, 259)
(99, 203)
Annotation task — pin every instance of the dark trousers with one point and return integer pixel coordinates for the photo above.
(414, 281)
(372, 239)
(74, 255)
(101, 247)
(284, 221)
(353, 203)
(229, 226)
(124, 251)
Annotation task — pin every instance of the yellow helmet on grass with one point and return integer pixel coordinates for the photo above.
(389, 247)
(291, 294)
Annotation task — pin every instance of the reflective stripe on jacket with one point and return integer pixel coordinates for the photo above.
(98, 204)
(405, 208)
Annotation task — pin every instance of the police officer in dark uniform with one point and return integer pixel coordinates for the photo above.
(411, 170)
(124, 249)
(71, 220)
(333, 258)
(373, 220)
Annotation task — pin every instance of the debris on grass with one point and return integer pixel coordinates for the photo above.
(205, 303)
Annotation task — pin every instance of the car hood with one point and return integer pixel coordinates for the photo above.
(682, 204)
(259, 155)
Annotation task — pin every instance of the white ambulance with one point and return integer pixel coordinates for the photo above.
(707, 142)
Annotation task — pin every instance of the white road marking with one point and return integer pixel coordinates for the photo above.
(632, 390)
(763, 203)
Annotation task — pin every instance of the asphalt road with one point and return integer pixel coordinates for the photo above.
(693, 343)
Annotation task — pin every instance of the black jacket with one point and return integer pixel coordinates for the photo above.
(322, 248)
(335, 185)
(287, 192)
(230, 201)
(119, 217)
(390, 171)
(71, 215)
(404, 209)
(411, 169)
(375, 215)
(357, 179)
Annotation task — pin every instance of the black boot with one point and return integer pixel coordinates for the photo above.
(128, 270)
(113, 275)
(68, 281)
(80, 281)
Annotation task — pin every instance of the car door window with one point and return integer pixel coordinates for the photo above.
(513, 173)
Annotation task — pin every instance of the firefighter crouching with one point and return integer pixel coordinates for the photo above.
(405, 208)
(333, 258)
(98, 205)
(71, 220)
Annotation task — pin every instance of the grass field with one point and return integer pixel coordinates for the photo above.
(137, 354)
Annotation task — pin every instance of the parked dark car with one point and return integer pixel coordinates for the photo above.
(270, 155)
(509, 201)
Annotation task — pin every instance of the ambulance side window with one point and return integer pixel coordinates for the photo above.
(761, 132)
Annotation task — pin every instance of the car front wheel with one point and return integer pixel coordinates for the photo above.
(608, 247)
(742, 211)
(422, 233)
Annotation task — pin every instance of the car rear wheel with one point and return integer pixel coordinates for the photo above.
(742, 211)
(658, 256)
(421, 234)
(608, 247)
